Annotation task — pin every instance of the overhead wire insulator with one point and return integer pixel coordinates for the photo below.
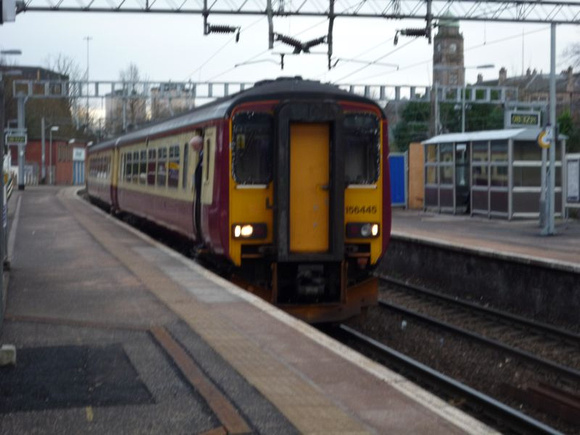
(289, 41)
(414, 32)
(219, 28)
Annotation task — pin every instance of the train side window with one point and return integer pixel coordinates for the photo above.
(206, 159)
(135, 170)
(173, 167)
(185, 165)
(162, 167)
(128, 166)
(253, 137)
(151, 167)
(362, 153)
(142, 167)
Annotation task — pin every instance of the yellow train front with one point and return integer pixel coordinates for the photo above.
(309, 197)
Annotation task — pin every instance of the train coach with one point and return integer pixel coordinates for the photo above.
(287, 181)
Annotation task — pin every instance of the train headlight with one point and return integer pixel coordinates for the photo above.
(362, 230)
(250, 231)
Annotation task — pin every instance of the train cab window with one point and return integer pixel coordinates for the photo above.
(173, 167)
(135, 171)
(362, 153)
(151, 166)
(253, 136)
(162, 166)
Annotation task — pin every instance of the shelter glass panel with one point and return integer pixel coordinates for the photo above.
(526, 202)
(431, 175)
(480, 175)
(479, 152)
(527, 176)
(362, 148)
(446, 174)
(499, 151)
(479, 200)
(499, 175)
(431, 153)
(446, 153)
(527, 150)
(499, 201)
(431, 197)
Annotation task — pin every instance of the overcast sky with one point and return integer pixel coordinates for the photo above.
(172, 47)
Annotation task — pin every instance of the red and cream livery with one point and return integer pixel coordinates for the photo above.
(288, 181)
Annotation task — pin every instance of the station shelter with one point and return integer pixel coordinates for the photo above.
(495, 173)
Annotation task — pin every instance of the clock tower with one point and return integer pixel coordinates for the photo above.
(448, 62)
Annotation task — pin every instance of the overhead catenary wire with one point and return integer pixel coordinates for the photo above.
(474, 47)
(260, 53)
(375, 61)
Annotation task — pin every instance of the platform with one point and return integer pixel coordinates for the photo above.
(520, 239)
(116, 333)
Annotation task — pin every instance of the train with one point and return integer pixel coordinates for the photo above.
(287, 182)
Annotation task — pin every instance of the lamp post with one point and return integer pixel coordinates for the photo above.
(43, 128)
(51, 178)
(88, 39)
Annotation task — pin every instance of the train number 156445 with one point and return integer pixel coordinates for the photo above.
(361, 209)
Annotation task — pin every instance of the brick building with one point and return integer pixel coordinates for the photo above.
(534, 87)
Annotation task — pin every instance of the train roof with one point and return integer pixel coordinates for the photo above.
(279, 88)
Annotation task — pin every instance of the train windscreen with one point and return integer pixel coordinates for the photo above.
(253, 136)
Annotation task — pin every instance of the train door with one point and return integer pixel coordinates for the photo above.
(309, 187)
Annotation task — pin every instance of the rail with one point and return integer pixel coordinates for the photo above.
(500, 412)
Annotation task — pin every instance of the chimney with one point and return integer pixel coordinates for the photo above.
(502, 76)
(479, 79)
(528, 72)
(570, 79)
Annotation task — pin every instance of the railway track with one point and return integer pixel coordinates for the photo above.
(528, 365)
(542, 344)
(483, 406)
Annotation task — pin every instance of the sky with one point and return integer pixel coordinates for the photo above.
(172, 47)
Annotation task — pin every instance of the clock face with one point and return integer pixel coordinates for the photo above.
(438, 47)
(452, 48)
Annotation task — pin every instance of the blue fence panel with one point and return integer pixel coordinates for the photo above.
(398, 165)
(78, 172)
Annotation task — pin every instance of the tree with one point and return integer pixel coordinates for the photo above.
(67, 66)
(413, 127)
(566, 126)
(572, 53)
(137, 102)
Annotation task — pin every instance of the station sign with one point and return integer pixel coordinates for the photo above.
(79, 154)
(15, 137)
(517, 119)
(545, 137)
